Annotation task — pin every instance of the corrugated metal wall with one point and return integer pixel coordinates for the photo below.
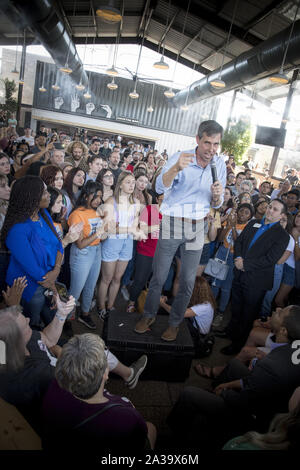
(165, 117)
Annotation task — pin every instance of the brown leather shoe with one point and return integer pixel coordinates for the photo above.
(143, 324)
(170, 334)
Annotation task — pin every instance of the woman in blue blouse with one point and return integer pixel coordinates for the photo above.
(35, 248)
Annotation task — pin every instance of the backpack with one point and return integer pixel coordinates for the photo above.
(203, 343)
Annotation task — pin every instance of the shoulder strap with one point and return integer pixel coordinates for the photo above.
(98, 413)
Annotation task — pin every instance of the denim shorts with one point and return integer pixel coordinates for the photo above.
(288, 276)
(114, 249)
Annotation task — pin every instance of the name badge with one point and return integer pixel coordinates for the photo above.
(257, 225)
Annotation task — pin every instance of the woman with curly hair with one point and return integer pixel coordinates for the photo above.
(35, 248)
(72, 187)
(52, 176)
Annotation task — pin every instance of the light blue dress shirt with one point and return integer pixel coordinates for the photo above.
(189, 195)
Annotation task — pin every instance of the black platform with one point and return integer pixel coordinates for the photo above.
(167, 361)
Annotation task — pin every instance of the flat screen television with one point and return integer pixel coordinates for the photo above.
(271, 136)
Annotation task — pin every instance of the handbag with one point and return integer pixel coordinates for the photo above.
(218, 268)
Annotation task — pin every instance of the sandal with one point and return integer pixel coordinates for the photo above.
(205, 371)
(130, 308)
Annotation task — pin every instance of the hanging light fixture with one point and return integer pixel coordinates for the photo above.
(281, 77)
(42, 88)
(87, 95)
(22, 66)
(109, 12)
(150, 108)
(218, 83)
(134, 94)
(112, 85)
(15, 67)
(80, 87)
(161, 64)
(55, 87)
(169, 93)
(66, 68)
(112, 71)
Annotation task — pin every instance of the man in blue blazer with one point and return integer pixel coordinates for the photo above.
(256, 251)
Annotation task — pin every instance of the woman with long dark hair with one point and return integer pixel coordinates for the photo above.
(106, 177)
(35, 248)
(56, 211)
(85, 257)
(73, 184)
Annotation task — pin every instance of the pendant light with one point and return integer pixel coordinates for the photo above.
(169, 93)
(42, 89)
(109, 12)
(281, 78)
(112, 85)
(15, 67)
(218, 83)
(150, 108)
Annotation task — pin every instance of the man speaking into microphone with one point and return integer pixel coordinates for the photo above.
(192, 182)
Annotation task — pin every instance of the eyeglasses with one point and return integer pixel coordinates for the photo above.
(108, 176)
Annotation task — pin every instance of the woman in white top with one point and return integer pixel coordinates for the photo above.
(201, 306)
(288, 276)
(121, 212)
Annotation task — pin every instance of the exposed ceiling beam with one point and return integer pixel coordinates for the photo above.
(264, 13)
(216, 51)
(151, 45)
(191, 41)
(256, 97)
(168, 27)
(205, 15)
(188, 35)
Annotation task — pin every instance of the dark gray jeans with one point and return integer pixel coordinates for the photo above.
(175, 234)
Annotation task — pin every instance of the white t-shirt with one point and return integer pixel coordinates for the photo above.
(29, 140)
(274, 194)
(291, 259)
(204, 316)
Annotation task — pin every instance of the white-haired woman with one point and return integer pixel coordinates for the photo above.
(78, 410)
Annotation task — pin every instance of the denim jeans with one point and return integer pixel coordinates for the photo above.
(85, 268)
(224, 287)
(172, 237)
(270, 294)
(38, 308)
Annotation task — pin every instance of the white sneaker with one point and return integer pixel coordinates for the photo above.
(125, 293)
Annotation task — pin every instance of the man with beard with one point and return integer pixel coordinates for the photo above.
(78, 152)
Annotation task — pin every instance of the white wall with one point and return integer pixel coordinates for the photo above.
(164, 140)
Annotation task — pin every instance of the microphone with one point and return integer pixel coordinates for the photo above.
(213, 171)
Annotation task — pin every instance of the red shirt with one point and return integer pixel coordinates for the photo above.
(151, 216)
(130, 168)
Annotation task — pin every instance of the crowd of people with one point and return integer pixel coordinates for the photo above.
(85, 219)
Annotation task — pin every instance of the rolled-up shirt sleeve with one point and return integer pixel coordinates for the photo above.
(160, 188)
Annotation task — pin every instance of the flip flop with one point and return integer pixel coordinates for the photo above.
(204, 371)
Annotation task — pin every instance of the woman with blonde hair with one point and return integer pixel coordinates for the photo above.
(123, 211)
